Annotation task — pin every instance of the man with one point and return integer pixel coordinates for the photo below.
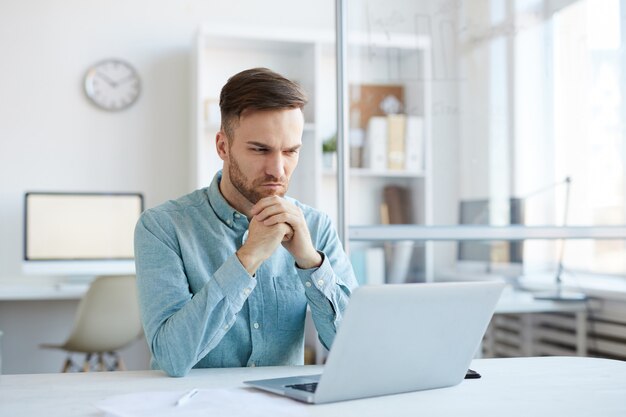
(225, 273)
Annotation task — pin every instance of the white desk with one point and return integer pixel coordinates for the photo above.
(42, 292)
(547, 386)
(42, 288)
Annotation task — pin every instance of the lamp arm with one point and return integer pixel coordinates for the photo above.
(559, 269)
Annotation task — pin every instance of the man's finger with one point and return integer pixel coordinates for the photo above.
(264, 203)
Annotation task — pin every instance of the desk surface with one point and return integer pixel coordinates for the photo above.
(42, 289)
(547, 386)
(515, 302)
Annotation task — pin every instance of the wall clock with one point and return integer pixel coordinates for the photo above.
(112, 84)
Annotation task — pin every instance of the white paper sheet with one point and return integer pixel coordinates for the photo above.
(208, 402)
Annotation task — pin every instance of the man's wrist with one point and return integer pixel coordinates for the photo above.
(313, 261)
(250, 262)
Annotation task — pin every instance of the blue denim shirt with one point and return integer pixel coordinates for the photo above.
(200, 307)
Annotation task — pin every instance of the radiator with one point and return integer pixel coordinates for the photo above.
(543, 334)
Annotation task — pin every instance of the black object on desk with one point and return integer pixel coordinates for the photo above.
(472, 374)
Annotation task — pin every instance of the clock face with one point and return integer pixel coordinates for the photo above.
(112, 84)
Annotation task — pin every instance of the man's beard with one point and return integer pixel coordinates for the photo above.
(239, 181)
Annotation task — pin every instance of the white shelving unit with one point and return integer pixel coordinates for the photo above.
(394, 59)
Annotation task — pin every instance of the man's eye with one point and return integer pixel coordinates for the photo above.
(259, 150)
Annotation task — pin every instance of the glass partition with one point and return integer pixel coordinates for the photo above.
(487, 113)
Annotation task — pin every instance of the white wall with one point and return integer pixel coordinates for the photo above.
(52, 138)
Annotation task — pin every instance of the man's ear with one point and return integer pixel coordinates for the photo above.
(221, 144)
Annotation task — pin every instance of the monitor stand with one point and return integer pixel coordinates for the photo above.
(561, 295)
(74, 281)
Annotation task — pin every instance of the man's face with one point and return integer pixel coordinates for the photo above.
(263, 152)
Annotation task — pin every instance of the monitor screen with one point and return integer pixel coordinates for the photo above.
(478, 212)
(80, 226)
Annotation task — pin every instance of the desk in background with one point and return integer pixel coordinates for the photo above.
(546, 386)
(523, 304)
(42, 291)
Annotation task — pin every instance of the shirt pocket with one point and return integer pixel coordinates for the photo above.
(290, 303)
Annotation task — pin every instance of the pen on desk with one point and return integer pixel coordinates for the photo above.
(185, 398)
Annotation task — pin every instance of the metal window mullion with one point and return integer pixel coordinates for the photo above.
(342, 124)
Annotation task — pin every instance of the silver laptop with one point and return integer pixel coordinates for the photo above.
(398, 338)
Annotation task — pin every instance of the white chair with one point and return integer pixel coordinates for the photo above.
(107, 320)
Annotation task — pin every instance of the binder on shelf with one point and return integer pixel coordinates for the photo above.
(357, 259)
(375, 265)
(357, 143)
(396, 127)
(370, 100)
(397, 209)
(398, 202)
(400, 261)
(368, 265)
(414, 143)
(375, 152)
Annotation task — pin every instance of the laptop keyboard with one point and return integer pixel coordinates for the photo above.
(310, 387)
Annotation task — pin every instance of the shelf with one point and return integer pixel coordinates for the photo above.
(482, 232)
(365, 172)
(214, 127)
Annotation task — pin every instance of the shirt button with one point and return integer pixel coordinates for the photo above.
(228, 222)
(252, 365)
(236, 215)
(320, 282)
(308, 284)
(255, 325)
(226, 327)
(246, 291)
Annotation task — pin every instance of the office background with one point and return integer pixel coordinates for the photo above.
(489, 102)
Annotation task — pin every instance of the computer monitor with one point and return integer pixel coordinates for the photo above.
(80, 233)
(489, 254)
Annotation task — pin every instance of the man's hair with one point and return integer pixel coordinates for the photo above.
(257, 89)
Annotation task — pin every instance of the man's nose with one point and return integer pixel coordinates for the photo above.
(275, 165)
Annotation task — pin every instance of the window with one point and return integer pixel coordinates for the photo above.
(542, 85)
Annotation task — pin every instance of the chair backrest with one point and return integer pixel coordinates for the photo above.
(108, 316)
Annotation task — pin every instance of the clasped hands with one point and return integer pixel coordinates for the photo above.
(277, 221)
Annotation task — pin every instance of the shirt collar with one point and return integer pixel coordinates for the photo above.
(226, 213)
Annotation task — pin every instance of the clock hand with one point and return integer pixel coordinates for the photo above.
(126, 79)
(107, 79)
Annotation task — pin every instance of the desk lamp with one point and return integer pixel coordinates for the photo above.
(559, 294)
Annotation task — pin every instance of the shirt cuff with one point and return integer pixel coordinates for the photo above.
(322, 277)
(235, 281)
